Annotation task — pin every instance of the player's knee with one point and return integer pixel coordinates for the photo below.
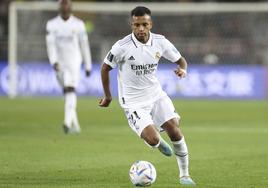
(150, 136)
(174, 132)
(175, 135)
(68, 89)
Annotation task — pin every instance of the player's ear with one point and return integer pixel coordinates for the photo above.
(151, 24)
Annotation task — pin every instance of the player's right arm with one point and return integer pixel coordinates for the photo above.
(105, 78)
(51, 46)
(111, 60)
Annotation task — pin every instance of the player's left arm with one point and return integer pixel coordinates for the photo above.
(172, 54)
(85, 49)
(181, 70)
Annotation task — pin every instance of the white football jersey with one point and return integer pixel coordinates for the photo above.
(137, 65)
(67, 43)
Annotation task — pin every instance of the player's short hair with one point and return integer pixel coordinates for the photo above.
(140, 11)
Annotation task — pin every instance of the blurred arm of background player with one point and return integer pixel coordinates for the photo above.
(85, 50)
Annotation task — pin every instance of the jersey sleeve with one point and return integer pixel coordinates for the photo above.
(114, 56)
(170, 52)
(84, 45)
(51, 44)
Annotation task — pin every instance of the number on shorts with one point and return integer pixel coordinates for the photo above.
(133, 118)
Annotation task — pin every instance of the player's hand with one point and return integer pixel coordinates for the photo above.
(180, 72)
(56, 67)
(88, 73)
(105, 102)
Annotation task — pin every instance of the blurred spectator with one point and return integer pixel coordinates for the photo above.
(231, 37)
(211, 59)
(3, 28)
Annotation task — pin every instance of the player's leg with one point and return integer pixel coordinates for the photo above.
(76, 126)
(75, 80)
(141, 122)
(71, 77)
(165, 115)
(152, 137)
(180, 150)
(67, 118)
(69, 108)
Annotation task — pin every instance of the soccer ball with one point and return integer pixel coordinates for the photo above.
(142, 173)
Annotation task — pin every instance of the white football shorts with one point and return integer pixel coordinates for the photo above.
(155, 114)
(68, 78)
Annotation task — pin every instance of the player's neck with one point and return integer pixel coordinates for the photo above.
(65, 16)
(144, 40)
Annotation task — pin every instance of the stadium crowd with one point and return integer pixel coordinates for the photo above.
(199, 44)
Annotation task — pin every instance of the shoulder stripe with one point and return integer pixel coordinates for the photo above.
(125, 40)
(122, 43)
(157, 36)
(134, 42)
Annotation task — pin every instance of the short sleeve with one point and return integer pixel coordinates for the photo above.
(82, 30)
(170, 51)
(51, 43)
(48, 28)
(114, 56)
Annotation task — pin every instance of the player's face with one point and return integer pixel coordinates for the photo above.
(141, 26)
(65, 8)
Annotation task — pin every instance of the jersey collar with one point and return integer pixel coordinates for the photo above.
(69, 19)
(138, 43)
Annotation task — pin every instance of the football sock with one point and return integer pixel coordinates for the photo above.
(70, 104)
(75, 121)
(181, 152)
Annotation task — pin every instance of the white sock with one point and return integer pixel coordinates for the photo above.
(75, 121)
(181, 152)
(70, 104)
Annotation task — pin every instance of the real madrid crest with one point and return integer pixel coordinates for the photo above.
(157, 55)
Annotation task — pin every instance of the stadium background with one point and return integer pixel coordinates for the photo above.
(223, 104)
(224, 48)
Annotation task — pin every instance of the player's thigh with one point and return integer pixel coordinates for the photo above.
(164, 111)
(138, 119)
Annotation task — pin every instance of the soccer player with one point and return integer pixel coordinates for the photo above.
(67, 45)
(147, 107)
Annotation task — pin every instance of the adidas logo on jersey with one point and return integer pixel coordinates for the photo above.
(131, 58)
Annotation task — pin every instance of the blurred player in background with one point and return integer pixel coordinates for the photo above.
(67, 46)
(147, 107)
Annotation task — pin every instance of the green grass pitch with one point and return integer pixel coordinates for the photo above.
(227, 141)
